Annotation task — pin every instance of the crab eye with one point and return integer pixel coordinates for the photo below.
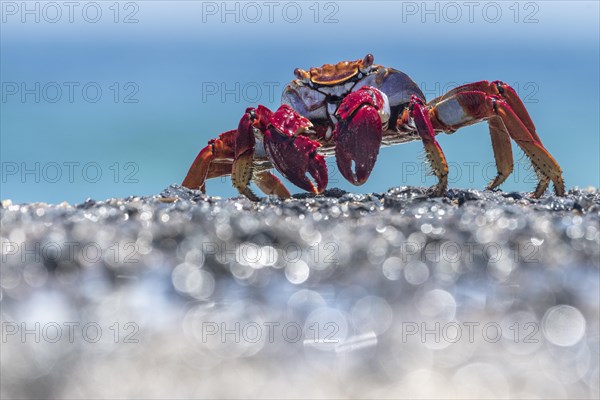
(368, 61)
(301, 74)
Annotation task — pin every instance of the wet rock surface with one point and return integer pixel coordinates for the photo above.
(395, 294)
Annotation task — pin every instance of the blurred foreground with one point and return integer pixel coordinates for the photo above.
(476, 295)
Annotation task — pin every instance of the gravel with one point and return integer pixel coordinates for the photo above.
(180, 295)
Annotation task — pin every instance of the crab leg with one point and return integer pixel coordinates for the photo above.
(466, 108)
(500, 137)
(544, 164)
(502, 151)
(434, 152)
(270, 184)
(495, 88)
(219, 168)
(205, 165)
(196, 175)
(241, 171)
(241, 174)
(481, 86)
(511, 97)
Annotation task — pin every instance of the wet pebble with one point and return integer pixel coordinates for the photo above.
(371, 288)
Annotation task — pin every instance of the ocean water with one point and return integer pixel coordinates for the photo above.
(110, 99)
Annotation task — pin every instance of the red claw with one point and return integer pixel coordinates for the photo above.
(289, 122)
(358, 134)
(294, 154)
(244, 140)
(254, 117)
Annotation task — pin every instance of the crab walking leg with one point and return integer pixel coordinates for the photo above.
(481, 86)
(467, 108)
(219, 168)
(218, 149)
(544, 164)
(434, 152)
(197, 173)
(511, 97)
(241, 174)
(243, 165)
(270, 184)
(500, 136)
(502, 151)
(499, 89)
(216, 169)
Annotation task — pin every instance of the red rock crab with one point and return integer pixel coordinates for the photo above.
(350, 110)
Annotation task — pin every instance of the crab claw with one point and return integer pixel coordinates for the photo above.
(294, 157)
(362, 115)
(293, 154)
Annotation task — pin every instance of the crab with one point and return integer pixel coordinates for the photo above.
(353, 108)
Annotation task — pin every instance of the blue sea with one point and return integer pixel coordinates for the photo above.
(111, 99)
